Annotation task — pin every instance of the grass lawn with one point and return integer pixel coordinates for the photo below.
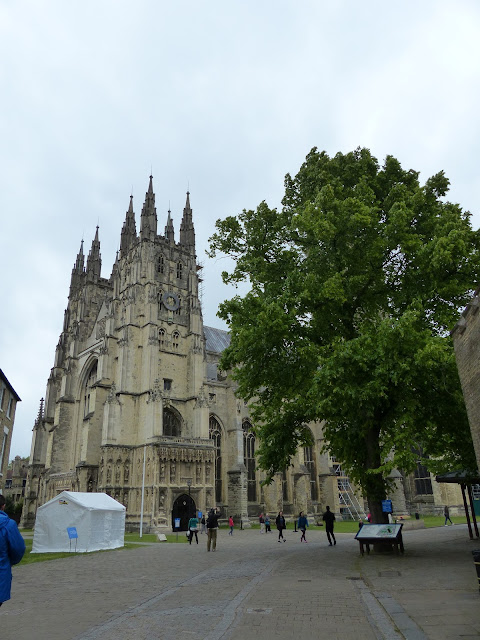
(151, 537)
(131, 542)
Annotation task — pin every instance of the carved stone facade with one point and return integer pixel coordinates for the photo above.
(137, 406)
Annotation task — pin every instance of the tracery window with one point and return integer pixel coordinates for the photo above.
(249, 460)
(175, 340)
(88, 404)
(309, 455)
(171, 423)
(161, 264)
(284, 486)
(215, 434)
(179, 270)
(423, 481)
(161, 338)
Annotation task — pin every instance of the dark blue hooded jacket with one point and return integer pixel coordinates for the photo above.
(12, 548)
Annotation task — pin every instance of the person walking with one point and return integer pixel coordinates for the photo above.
(230, 524)
(193, 529)
(302, 525)
(12, 548)
(446, 513)
(212, 528)
(204, 527)
(261, 519)
(268, 528)
(329, 519)
(281, 525)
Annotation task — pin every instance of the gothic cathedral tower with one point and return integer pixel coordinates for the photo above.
(127, 404)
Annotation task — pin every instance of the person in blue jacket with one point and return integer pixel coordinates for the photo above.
(302, 525)
(12, 548)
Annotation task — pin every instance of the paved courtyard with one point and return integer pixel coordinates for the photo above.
(253, 587)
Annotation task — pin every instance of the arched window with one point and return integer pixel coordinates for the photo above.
(215, 434)
(175, 340)
(284, 486)
(161, 338)
(88, 404)
(249, 460)
(171, 423)
(312, 469)
(161, 264)
(179, 270)
(423, 481)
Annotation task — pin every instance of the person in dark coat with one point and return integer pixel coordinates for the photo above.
(329, 519)
(12, 548)
(281, 525)
(212, 528)
(446, 513)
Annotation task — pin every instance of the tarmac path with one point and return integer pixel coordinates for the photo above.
(253, 587)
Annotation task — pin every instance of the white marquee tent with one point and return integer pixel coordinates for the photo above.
(96, 519)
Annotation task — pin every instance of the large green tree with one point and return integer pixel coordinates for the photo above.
(353, 287)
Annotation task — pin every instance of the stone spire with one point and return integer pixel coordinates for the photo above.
(78, 269)
(129, 230)
(187, 231)
(39, 419)
(94, 261)
(79, 264)
(148, 221)
(169, 230)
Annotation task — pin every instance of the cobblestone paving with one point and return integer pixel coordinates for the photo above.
(252, 588)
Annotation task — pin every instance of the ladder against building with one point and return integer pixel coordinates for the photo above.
(350, 505)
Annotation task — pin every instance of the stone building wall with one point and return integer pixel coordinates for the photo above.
(8, 405)
(466, 340)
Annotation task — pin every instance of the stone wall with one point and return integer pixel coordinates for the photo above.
(466, 340)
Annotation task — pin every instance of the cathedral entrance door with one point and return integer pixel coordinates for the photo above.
(184, 508)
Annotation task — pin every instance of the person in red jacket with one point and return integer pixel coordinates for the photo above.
(12, 548)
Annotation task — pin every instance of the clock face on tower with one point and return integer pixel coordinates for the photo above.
(170, 300)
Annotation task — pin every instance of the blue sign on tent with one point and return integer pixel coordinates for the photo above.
(387, 506)
(72, 532)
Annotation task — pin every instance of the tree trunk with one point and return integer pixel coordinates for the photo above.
(374, 482)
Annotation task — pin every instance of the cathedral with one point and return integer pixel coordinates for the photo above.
(137, 406)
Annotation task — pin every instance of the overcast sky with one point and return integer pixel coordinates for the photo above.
(220, 97)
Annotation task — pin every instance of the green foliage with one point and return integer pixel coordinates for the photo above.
(355, 285)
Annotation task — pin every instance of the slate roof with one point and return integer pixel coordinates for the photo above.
(217, 340)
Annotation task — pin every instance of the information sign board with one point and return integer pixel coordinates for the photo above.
(379, 531)
(387, 506)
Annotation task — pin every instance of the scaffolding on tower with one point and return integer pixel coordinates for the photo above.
(349, 503)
